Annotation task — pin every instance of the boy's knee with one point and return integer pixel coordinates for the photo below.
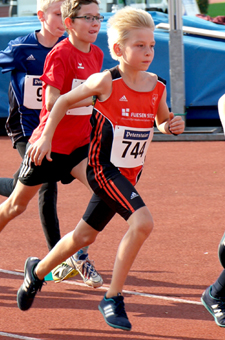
(88, 239)
(18, 209)
(84, 238)
(145, 228)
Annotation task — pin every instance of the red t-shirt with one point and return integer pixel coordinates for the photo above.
(63, 64)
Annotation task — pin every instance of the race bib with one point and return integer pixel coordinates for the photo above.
(130, 146)
(80, 111)
(32, 92)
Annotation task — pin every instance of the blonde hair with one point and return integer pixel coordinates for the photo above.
(43, 5)
(122, 22)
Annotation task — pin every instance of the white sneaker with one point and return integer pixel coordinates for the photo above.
(87, 271)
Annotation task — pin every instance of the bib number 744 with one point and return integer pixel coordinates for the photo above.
(130, 146)
(138, 149)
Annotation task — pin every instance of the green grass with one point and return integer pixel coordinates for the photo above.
(216, 9)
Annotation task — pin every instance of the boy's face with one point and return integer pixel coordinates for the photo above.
(138, 50)
(53, 20)
(83, 31)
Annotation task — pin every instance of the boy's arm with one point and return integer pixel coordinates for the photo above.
(12, 57)
(74, 98)
(7, 60)
(221, 109)
(51, 95)
(166, 121)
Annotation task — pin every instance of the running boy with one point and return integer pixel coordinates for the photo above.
(213, 297)
(69, 63)
(129, 99)
(24, 58)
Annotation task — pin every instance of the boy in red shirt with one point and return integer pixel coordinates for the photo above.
(129, 100)
(68, 64)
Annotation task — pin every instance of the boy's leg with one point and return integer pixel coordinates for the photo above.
(140, 226)
(79, 172)
(121, 196)
(47, 202)
(82, 236)
(50, 226)
(80, 260)
(48, 213)
(8, 184)
(36, 270)
(16, 203)
(112, 306)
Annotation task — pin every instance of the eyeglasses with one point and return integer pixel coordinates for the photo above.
(90, 18)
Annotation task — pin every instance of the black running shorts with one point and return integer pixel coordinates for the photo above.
(118, 196)
(57, 170)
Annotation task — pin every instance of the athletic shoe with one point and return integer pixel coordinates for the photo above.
(113, 311)
(87, 271)
(30, 286)
(63, 272)
(214, 306)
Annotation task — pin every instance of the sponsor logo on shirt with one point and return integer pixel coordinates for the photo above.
(154, 98)
(123, 99)
(80, 66)
(137, 115)
(37, 82)
(134, 135)
(31, 57)
(142, 115)
(125, 112)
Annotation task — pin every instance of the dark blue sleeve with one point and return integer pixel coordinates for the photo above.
(7, 58)
(12, 57)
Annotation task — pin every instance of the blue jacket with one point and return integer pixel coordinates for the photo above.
(24, 57)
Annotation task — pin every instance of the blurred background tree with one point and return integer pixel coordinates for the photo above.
(203, 6)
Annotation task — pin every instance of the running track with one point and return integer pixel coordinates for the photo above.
(183, 185)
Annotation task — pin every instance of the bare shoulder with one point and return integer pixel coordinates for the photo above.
(151, 75)
(102, 83)
(150, 81)
(98, 78)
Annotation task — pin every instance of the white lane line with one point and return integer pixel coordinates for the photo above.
(15, 336)
(105, 288)
(160, 297)
(10, 272)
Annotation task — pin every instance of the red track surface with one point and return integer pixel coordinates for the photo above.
(183, 184)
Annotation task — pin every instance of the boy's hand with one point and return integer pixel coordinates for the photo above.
(38, 150)
(175, 124)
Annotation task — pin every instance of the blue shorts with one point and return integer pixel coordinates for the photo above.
(58, 169)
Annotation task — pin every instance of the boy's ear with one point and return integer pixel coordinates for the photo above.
(40, 15)
(117, 50)
(68, 22)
